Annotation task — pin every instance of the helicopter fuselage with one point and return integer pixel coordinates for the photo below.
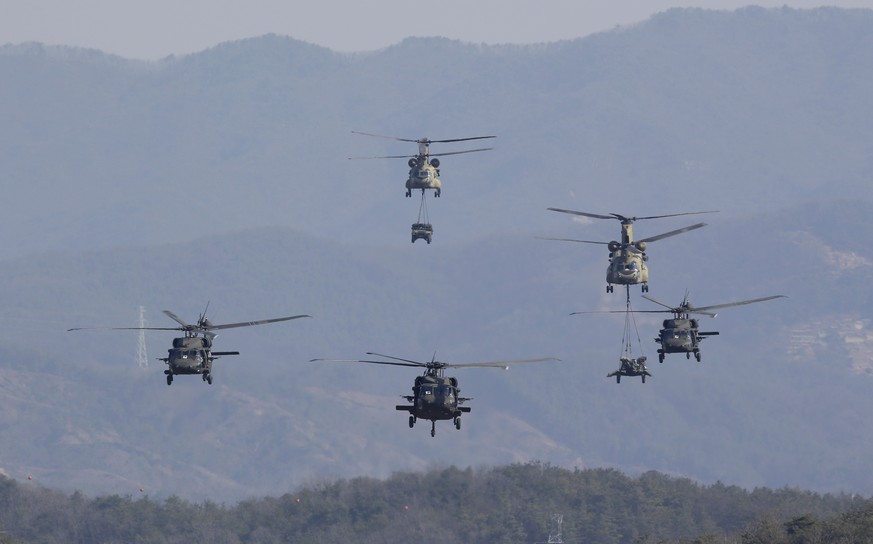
(435, 399)
(680, 335)
(192, 355)
(627, 268)
(423, 174)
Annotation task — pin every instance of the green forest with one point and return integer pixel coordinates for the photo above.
(510, 504)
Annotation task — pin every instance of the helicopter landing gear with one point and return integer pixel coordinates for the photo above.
(411, 421)
(458, 423)
(688, 355)
(208, 378)
(697, 355)
(437, 194)
(169, 378)
(433, 428)
(660, 357)
(608, 288)
(618, 378)
(645, 288)
(408, 193)
(644, 378)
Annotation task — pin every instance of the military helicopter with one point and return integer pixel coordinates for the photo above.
(435, 396)
(627, 259)
(423, 170)
(192, 353)
(681, 334)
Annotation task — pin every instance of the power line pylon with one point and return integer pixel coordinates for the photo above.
(555, 536)
(142, 356)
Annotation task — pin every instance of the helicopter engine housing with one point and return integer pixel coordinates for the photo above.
(641, 246)
(411, 163)
(435, 163)
(614, 246)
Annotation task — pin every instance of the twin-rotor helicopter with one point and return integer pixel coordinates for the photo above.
(424, 167)
(192, 353)
(627, 259)
(435, 396)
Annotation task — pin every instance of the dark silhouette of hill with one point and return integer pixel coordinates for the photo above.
(512, 503)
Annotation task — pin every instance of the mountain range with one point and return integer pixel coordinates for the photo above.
(222, 178)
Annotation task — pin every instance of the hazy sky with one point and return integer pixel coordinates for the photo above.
(157, 28)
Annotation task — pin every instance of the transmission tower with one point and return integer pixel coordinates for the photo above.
(555, 536)
(142, 357)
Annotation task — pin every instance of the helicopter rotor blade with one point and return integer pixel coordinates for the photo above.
(177, 319)
(623, 218)
(252, 323)
(383, 157)
(672, 233)
(386, 137)
(571, 240)
(740, 303)
(457, 139)
(585, 214)
(500, 364)
(393, 363)
(419, 363)
(668, 215)
(620, 312)
(460, 152)
(126, 329)
(658, 302)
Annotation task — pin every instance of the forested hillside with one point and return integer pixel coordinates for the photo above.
(509, 505)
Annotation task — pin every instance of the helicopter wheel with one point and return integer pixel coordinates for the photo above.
(618, 378)
(645, 288)
(433, 428)
(608, 288)
(458, 423)
(408, 193)
(688, 356)
(169, 379)
(644, 378)
(660, 357)
(697, 356)
(209, 379)
(411, 421)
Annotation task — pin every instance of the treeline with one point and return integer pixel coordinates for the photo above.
(511, 504)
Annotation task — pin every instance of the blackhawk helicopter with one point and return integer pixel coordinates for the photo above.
(627, 259)
(192, 353)
(435, 396)
(424, 170)
(681, 334)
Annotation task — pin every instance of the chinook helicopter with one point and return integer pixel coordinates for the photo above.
(424, 171)
(627, 259)
(435, 396)
(192, 353)
(681, 334)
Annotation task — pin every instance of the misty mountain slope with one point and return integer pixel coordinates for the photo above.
(751, 109)
(84, 416)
